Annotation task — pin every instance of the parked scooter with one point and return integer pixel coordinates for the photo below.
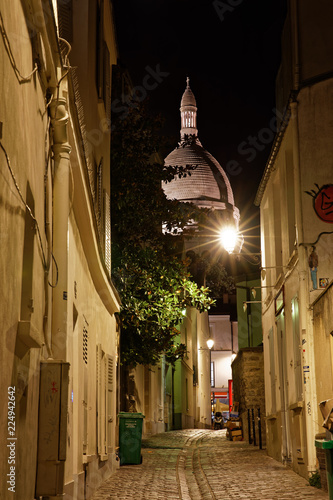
(218, 421)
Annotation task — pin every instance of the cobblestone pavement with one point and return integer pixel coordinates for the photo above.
(196, 464)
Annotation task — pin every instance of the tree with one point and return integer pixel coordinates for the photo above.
(152, 279)
(218, 280)
(154, 292)
(211, 271)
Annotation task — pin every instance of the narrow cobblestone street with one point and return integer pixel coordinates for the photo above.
(202, 464)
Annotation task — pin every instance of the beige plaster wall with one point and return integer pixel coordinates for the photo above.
(86, 311)
(24, 130)
(316, 159)
(314, 127)
(323, 348)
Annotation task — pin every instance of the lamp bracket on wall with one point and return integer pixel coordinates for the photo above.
(250, 302)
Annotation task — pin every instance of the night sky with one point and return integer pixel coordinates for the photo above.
(231, 52)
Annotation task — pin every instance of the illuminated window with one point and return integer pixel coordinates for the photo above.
(212, 374)
(272, 369)
(297, 348)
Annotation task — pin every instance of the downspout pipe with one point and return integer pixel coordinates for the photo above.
(61, 207)
(309, 392)
(305, 324)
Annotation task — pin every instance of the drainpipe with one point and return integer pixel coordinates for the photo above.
(309, 394)
(61, 151)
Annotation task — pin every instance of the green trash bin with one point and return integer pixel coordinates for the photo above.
(328, 447)
(130, 436)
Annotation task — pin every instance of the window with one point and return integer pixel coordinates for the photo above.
(212, 374)
(65, 19)
(186, 394)
(279, 302)
(297, 348)
(290, 201)
(103, 64)
(99, 50)
(186, 343)
(272, 370)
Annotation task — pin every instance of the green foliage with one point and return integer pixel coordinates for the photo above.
(154, 285)
(154, 294)
(218, 280)
(315, 479)
(216, 277)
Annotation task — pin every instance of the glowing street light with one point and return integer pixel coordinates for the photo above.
(210, 343)
(228, 238)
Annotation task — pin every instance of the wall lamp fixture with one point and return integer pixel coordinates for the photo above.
(210, 343)
(250, 302)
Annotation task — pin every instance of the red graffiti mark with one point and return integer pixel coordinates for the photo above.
(323, 202)
(54, 389)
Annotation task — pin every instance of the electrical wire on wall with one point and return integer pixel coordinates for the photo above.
(45, 266)
(21, 79)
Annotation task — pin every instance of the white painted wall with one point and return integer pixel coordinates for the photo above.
(222, 367)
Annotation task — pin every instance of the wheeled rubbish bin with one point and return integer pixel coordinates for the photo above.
(130, 437)
(327, 445)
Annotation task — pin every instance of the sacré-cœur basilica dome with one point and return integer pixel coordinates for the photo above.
(207, 186)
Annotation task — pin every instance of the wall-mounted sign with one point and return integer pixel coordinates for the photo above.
(323, 282)
(323, 202)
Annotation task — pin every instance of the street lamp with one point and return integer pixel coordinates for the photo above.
(210, 343)
(228, 238)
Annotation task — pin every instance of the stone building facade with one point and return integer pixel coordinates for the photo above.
(249, 391)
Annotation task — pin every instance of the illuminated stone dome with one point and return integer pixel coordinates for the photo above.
(208, 185)
(188, 98)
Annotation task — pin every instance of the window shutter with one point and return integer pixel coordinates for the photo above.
(85, 345)
(107, 232)
(85, 388)
(99, 49)
(107, 81)
(98, 396)
(65, 19)
(109, 396)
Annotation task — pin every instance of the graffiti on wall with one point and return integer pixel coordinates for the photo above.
(323, 202)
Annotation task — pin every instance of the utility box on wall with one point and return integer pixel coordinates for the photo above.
(52, 426)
